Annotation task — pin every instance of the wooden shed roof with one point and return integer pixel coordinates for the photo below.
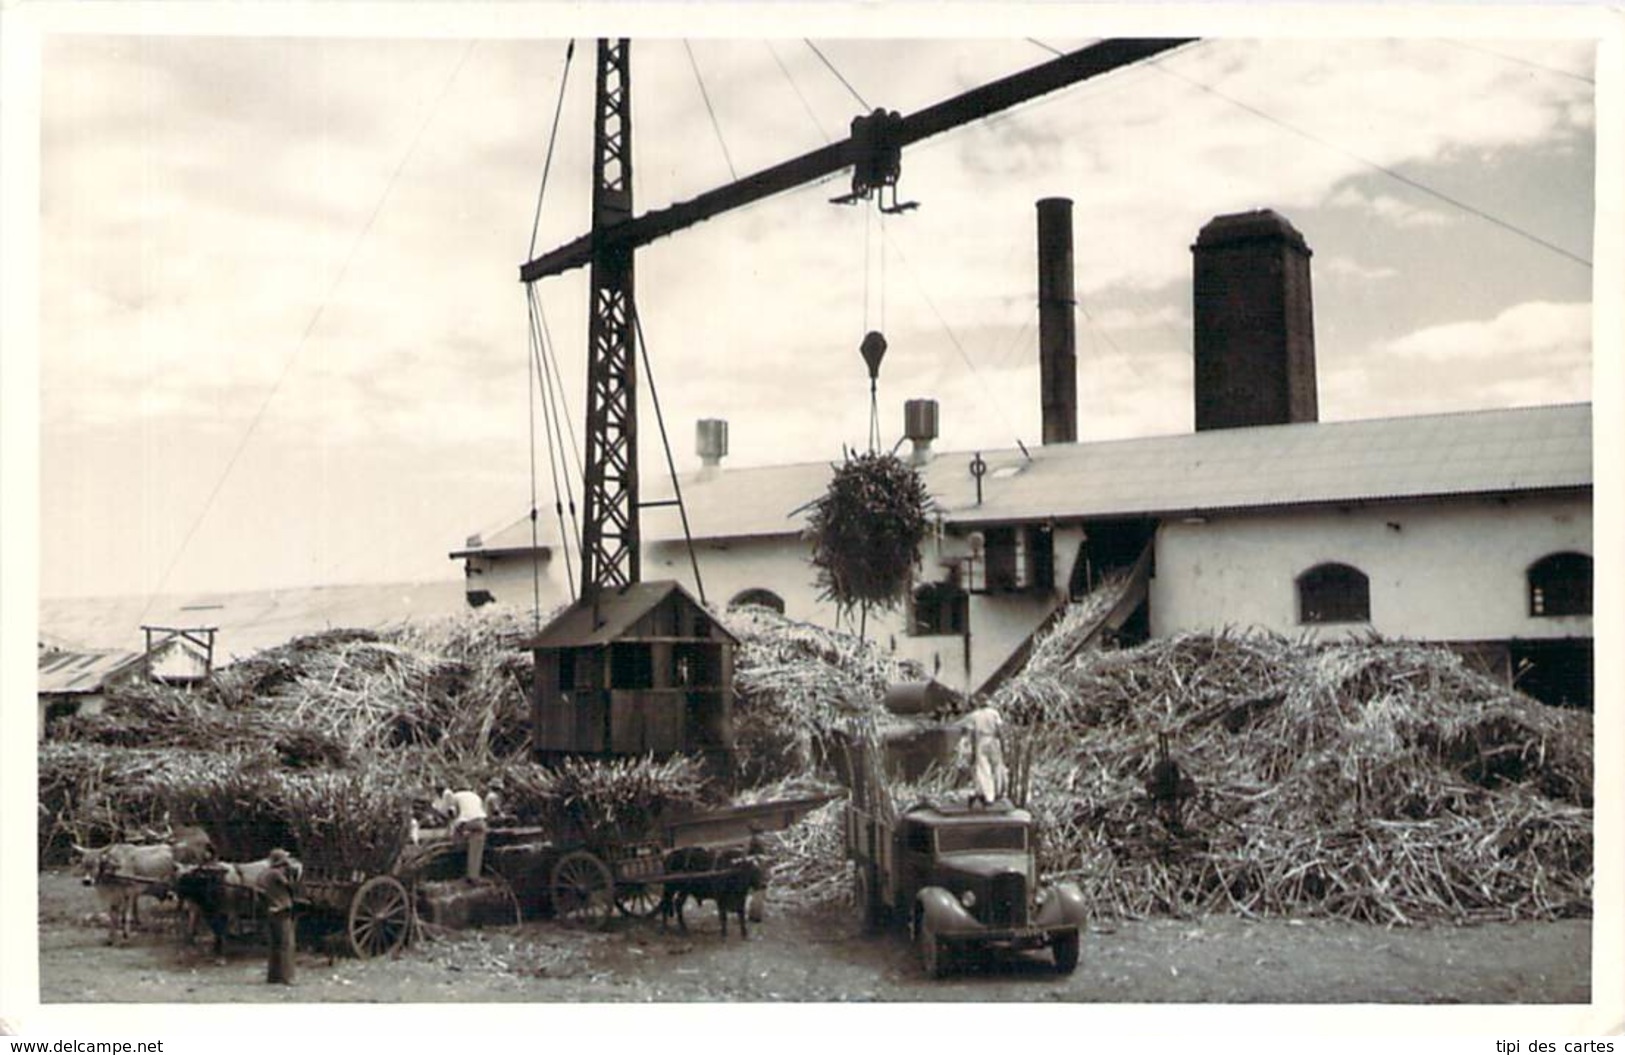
(618, 610)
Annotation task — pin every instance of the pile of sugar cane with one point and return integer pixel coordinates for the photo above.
(371, 719)
(459, 687)
(795, 682)
(1370, 780)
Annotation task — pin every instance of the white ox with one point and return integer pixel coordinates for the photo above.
(122, 872)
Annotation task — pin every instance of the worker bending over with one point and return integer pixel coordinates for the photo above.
(467, 813)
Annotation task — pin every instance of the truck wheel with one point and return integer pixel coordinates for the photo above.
(1065, 950)
(932, 960)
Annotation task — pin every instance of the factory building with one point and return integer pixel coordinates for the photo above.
(1470, 529)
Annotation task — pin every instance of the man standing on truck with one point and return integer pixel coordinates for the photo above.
(989, 775)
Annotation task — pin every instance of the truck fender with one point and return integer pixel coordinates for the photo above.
(944, 911)
(1065, 903)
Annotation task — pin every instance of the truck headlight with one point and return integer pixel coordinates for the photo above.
(1043, 896)
(968, 898)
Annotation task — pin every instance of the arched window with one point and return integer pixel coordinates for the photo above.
(759, 597)
(1334, 593)
(940, 608)
(1560, 584)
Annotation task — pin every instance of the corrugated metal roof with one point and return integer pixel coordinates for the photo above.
(617, 611)
(249, 621)
(1474, 452)
(73, 673)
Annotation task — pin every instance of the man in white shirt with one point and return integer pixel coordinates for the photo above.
(467, 813)
(988, 772)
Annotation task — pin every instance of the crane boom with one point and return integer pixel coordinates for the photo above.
(979, 102)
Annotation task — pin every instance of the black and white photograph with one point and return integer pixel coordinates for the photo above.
(947, 504)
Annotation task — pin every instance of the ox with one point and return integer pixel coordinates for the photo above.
(726, 877)
(216, 893)
(122, 872)
(221, 893)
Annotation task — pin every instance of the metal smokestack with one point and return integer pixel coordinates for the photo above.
(1057, 329)
(711, 441)
(920, 428)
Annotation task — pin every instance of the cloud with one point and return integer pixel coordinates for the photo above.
(1530, 354)
(1346, 267)
(1389, 209)
(1521, 330)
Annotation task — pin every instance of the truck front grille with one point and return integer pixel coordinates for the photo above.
(1008, 904)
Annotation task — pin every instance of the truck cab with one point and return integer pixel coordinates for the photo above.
(965, 878)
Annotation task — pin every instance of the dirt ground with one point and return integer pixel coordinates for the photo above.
(821, 955)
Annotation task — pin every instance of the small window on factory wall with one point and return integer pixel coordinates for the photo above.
(1018, 558)
(1560, 584)
(940, 608)
(1334, 593)
(759, 597)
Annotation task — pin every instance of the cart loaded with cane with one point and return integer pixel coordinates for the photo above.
(610, 869)
(376, 897)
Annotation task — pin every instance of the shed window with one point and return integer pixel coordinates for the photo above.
(940, 608)
(1560, 584)
(1334, 593)
(631, 665)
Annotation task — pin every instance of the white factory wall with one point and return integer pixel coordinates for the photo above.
(1443, 570)
(999, 623)
(511, 583)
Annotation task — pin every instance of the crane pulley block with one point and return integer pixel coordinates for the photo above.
(876, 153)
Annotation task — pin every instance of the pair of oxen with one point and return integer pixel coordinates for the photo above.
(185, 867)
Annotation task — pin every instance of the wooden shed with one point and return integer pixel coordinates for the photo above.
(644, 669)
(77, 681)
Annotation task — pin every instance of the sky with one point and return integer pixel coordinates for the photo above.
(282, 339)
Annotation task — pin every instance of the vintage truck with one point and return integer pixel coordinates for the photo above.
(964, 877)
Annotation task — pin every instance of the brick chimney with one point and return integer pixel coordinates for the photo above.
(1255, 324)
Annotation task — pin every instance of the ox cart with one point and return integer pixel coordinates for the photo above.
(598, 874)
(373, 898)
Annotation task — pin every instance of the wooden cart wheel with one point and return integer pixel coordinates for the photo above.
(583, 890)
(640, 900)
(510, 896)
(380, 917)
